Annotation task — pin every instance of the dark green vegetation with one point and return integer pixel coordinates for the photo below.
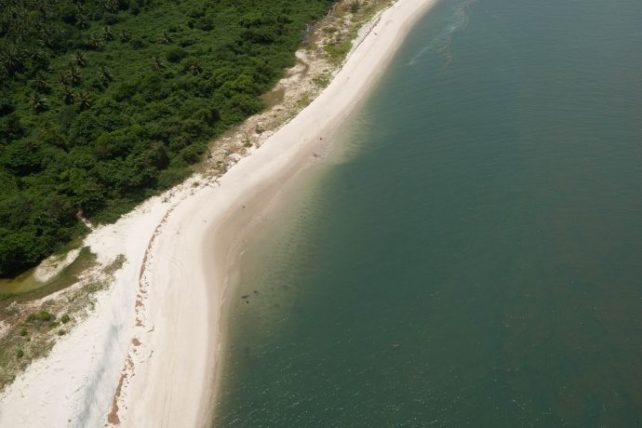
(103, 103)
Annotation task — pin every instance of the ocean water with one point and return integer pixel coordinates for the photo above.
(473, 255)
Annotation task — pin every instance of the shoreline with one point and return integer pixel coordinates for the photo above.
(163, 357)
(226, 250)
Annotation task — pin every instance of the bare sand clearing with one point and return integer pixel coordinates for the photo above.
(147, 356)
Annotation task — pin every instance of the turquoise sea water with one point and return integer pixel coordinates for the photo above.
(476, 260)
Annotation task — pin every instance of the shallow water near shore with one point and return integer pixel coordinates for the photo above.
(471, 255)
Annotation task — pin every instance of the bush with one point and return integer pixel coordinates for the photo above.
(110, 19)
(175, 55)
(137, 43)
(41, 317)
(191, 154)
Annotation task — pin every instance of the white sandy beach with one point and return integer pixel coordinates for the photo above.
(147, 355)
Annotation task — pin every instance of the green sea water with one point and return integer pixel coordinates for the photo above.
(475, 258)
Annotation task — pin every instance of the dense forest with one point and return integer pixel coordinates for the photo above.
(105, 102)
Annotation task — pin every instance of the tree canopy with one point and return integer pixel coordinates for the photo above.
(105, 102)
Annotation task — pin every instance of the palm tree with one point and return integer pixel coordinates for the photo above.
(64, 79)
(94, 42)
(80, 59)
(165, 38)
(12, 60)
(40, 83)
(44, 37)
(111, 5)
(73, 75)
(104, 76)
(39, 103)
(194, 68)
(67, 95)
(81, 21)
(125, 36)
(39, 59)
(158, 64)
(107, 34)
(84, 100)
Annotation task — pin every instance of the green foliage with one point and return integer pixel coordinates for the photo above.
(41, 317)
(103, 103)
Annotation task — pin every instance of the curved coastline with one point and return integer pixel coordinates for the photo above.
(156, 364)
(258, 179)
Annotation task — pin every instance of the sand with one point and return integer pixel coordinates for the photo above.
(147, 355)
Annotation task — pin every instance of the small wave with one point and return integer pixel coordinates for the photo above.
(441, 43)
